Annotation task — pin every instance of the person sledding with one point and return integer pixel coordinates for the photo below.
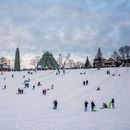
(104, 105)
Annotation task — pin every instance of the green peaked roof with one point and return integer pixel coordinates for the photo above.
(47, 61)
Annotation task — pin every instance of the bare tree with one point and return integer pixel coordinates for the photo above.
(79, 64)
(62, 61)
(66, 60)
(116, 56)
(122, 52)
(125, 54)
(35, 61)
(3, 60)
(127, 51)
(70, 63)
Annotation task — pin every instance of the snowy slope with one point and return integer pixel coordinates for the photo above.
(33, 111)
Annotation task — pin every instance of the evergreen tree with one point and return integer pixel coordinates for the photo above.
(87, 63)
(99, 58)
(99, 54)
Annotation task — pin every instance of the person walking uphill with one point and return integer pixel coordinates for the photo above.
(55, 104)
(92, 106)
(85, 105)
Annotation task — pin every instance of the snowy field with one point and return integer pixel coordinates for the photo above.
(34, 111)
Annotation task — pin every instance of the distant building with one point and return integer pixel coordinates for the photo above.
(111, 62)
(47, 62)
(4, 64)
(17, 60)
(4, 67)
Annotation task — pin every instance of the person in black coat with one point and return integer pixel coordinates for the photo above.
(86, 82)
(33, 87)
(83, 83)
(98, 89)
(85, 105)
(112, 102)
(55, 104)
(92, 106)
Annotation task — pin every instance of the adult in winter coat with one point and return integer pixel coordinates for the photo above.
(112, 102)
(83, 83)
(86, 82)
(55, 103)
(44, 91)
(33, 87)
(85, 105)
(92, 106)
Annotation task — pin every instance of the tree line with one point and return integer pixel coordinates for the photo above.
(122, 55)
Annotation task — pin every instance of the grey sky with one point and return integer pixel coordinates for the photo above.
(77, 27)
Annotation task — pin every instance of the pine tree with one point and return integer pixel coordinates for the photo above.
(99, 58)
(87, 63)
(99, 54)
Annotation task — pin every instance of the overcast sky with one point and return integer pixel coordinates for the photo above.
(78, 27)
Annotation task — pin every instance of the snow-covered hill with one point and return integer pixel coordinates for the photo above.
(34, 111)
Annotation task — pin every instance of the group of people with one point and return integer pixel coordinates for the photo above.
(26, 83)
(85, 82)
(92, 106)
(20, 91)
(110, 105)
(82, 72)
(44, 91)
(58, 70)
